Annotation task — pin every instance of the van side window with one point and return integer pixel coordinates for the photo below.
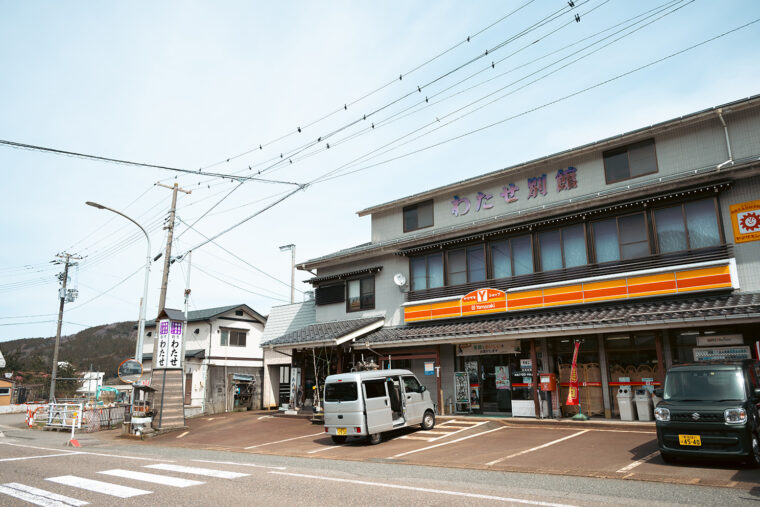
(411, 385)
(375, 388)
(341, 391)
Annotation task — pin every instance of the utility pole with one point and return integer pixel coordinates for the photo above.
(292, 249)
(167, 256)
(63, 296)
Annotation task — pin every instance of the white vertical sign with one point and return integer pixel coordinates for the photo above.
(169, 345)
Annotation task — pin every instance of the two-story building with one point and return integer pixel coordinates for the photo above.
(224, 361)
(643, 247)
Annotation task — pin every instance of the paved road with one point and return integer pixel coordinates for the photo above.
(184, 468)
(590, 450)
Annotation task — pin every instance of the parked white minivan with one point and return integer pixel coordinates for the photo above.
(368, 403)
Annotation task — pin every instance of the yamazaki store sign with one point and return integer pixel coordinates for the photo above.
(489, 301)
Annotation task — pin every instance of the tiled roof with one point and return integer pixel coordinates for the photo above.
(285, 319)
(197, 315)
(672, 312)
(322, 332)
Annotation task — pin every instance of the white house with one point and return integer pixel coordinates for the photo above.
(224, 362)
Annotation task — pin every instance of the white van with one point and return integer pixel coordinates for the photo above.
(368, 403)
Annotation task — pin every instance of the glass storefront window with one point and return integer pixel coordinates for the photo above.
(701, 221)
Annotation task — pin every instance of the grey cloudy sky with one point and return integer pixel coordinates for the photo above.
(191, 84)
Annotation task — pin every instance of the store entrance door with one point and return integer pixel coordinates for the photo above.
(493, 382)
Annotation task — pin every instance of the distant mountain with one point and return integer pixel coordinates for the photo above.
(104, 347)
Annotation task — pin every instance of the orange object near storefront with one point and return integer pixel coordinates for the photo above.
(548, 381)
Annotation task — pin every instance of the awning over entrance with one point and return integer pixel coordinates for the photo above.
(326, 334)
(586, 319)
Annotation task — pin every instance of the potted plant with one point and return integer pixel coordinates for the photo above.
(143, 418)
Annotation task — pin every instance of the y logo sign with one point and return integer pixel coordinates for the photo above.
(483, 296)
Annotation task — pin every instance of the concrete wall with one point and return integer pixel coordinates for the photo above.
(388, 297)
(747, 254)
(678, 151)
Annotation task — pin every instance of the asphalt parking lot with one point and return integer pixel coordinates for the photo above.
(583, 449)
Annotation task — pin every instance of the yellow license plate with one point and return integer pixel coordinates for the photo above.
(689, 440)
(342, 431)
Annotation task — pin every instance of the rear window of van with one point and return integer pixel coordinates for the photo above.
(341, 391)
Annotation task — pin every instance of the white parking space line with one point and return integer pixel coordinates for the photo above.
(208, 472)
(38, 496)
(460, 430)
(281, 441)
(105, 488)
(164, 480)
(465, 494)
(238, 464)
(43, 456)
(526, 451)
(638, 462)
(182, 434)
(447, 443)
(326, 448)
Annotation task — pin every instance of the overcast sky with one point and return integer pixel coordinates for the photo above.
(189, 85)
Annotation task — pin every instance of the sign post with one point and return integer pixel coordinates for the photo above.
(166, 376)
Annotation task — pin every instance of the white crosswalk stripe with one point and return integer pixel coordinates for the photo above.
(164, 480)
(208, 472)
(38, 496)
(105, 488)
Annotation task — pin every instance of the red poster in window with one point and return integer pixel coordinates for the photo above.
(572, 394)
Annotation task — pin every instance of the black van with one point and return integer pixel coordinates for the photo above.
(710, 410)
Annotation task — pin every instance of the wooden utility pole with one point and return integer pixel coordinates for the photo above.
(170, 237)
(62, 295)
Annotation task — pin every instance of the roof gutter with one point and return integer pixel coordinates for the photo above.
(730, 160)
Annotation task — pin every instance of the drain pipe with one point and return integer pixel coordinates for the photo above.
(728, 142)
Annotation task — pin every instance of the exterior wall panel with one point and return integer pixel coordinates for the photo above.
(747, 254)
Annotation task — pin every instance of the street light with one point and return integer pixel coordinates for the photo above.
(144, 302)
(292, 248)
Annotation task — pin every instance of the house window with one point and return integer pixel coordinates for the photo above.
(687, 226)
(418, 216)
(233, 337)
(563, 248)
(328, 294)
(621, 238)
(5, 391)
(630, 161)
(511, 257)
(361, 294)
(466, 265)
(427, 271)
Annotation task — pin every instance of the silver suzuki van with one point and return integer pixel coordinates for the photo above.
(368, 403)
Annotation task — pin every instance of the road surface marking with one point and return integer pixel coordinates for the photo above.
(286, 440)
(638, 462)
(326, 448)
(43, 456)
(526, 451)
(164, 480)
(265, 417)
(183, 434)
(427, 490)
(88, 453)
(105, 488)
(460, 430)
(210, 419)
(447, 443)
(411, 437)
(208, 472)
(38, 496)
(239, 464)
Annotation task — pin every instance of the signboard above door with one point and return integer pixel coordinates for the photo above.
(481, 349)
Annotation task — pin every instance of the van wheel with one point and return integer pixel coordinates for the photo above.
(338, 439)
(754, 459)
(375, 438)
(428, 420)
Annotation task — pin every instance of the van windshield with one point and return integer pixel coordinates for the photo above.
(341, 391)
(704, 385)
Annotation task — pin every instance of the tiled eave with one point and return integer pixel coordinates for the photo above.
(676, 312)
(344, 276)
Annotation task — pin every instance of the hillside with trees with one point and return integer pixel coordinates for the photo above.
(100, 348)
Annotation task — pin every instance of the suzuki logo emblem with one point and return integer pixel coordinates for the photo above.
(695, 416)
(482, 296)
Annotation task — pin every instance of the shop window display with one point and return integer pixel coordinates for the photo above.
(590, 395)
